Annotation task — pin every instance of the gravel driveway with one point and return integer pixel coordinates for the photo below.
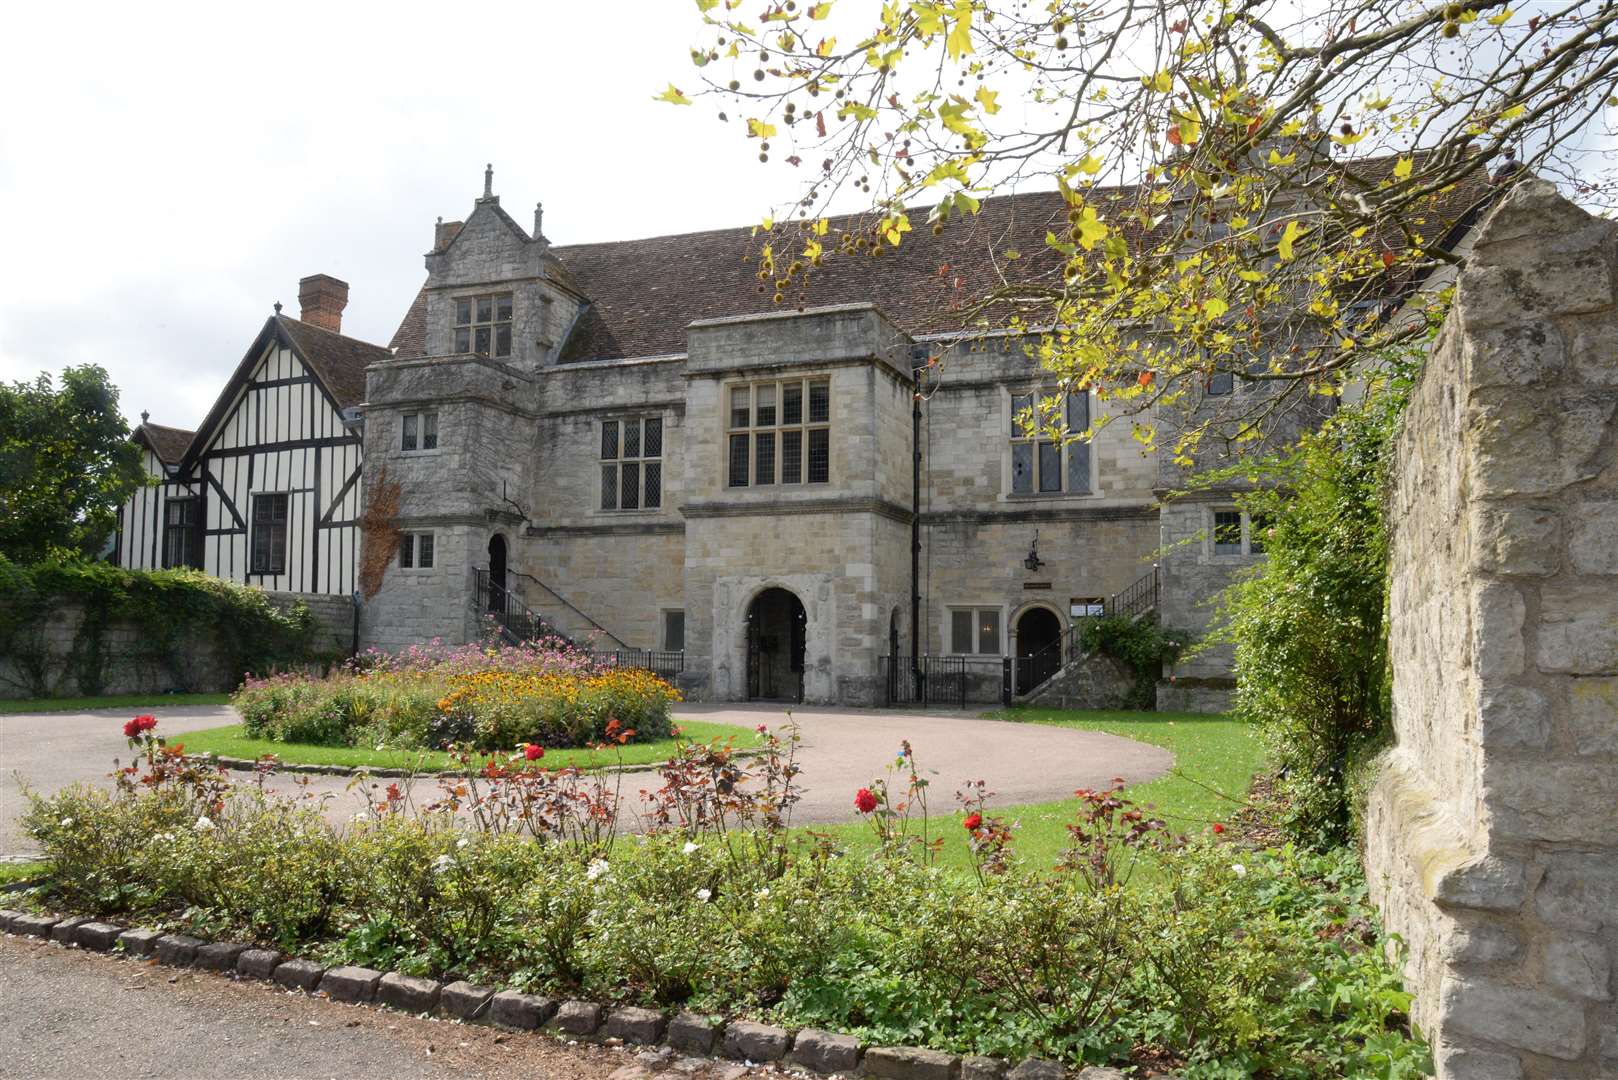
(843, 749)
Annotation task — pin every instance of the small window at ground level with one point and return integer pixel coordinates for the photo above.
(674, 631)
(975, 631)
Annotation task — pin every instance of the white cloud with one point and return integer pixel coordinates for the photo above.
(168, 171)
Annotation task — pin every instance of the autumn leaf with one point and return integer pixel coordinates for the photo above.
(758, 129)
(819, 11)
(820, 124)
(986, 98)
(1401, 168)
(1287, 238)
(1091, 229)
(673, 96)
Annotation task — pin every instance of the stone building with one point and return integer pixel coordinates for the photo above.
(631, 443)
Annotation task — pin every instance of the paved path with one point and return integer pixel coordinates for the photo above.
(843, 749)
(84, 1016)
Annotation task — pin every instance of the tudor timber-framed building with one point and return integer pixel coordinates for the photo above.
(632, 442)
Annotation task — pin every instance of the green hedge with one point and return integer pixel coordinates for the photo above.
(183, 616)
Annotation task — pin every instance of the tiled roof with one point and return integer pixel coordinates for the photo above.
(339, 362)
(168, 443)
(643, 293)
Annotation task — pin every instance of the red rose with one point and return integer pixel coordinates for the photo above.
(533, 751)
(1218, 828)
(864, 801)
(762, 729)
(973, 822)
(132, 728)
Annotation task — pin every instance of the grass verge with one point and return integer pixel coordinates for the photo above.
(21, 871)
(1215, 759)
(110, 701)
(233, 741)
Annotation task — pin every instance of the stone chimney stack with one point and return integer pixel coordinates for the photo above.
(323, 299)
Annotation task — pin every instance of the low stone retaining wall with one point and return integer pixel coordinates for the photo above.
(664, 1036)
(125, 663)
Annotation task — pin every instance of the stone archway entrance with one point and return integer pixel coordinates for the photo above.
(777, 630)
(1039, 647)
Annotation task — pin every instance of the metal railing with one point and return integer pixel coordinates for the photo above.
(1029, 673)
(945, 680)
(515, 620)
(660, 662)
(1138, 599)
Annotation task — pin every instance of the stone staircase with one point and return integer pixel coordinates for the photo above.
(1087, 679)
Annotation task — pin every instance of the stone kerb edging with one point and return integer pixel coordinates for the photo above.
(388, 772)
(689, 1033)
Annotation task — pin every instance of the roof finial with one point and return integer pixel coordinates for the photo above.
(145, 416)
(278, 307)
(539, 217)
(488, 180)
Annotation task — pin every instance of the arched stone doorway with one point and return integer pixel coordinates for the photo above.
(1039, 647)
(777, 632)
(497, 573)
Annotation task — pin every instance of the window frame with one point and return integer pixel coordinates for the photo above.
(187, 530)
(1071, 455)
(807, 430)
(269, 567)
(413, 431)
(977, 613)
(1247, 525)
(643, 423)
(474, 322)
(412, 543)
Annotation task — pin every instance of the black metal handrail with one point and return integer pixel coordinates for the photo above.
(565, 602)
(516, 621)
(1138, 599)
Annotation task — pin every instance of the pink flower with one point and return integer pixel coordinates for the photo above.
(864, 801)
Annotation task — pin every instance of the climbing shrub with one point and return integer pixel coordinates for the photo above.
(185, 619)
(1140, 644)
(1309, 624)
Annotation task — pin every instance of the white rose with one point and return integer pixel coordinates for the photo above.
(361, 816)
(442, 863)
(596, 869)
(203, 824)
(66, 822)
(1239, 870)
(704, 895)
(690, 845)
(461, 843)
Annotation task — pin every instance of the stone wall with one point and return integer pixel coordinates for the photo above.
(333, 616)
(128, 666)
(1492, 831)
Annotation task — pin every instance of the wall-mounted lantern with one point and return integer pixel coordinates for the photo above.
(1034, 562)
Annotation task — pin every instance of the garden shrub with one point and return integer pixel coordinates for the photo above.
(1227, 961)
(1309, 623)
(183, 616)
(1141, 644)
(409, 706)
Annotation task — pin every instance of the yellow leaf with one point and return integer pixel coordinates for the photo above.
(1277, 159)
(1287, 238)
(823, 49)
(894, 227)
(819, 11)
(1402, 167)
(1500, 19)
(673, 96)
(1214, 307)
(959, 41)
(768, 223)
(986, 98)
(758, 129)
(1161, 82)
(1091, 229)
(1091, 164)
(821, 226)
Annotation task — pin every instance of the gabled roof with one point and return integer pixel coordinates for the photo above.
(337, 363)
(643, 293)
(168, 443)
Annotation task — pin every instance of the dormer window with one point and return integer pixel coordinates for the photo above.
(483, 324)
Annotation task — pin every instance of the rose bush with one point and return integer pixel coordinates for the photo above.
(1223, 960)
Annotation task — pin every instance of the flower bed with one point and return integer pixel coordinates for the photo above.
(1226, 961)
(483, 698)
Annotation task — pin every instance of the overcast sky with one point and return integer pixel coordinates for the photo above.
(168, 171)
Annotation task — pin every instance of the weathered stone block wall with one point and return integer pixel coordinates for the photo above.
(333, 616)
(128, 666)
(1492, 832)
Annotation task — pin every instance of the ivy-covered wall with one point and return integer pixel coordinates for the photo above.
(78, 628)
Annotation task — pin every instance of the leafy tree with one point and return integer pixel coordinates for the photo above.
(1247, 182)
(66, 465)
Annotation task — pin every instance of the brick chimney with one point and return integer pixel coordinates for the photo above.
(444, 232)
(323, 299)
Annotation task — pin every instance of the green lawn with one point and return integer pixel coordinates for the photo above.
(21, 871)
(134, 702)
(232, 741)
(1215, 758)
